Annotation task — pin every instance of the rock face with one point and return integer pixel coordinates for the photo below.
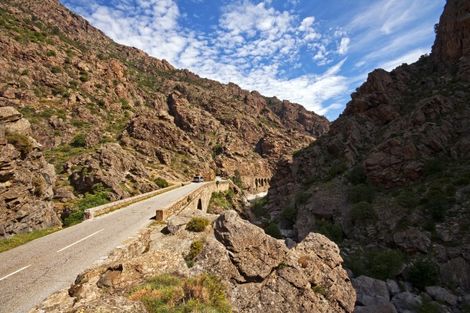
(110, 114)
(262, 274)
(259, 272)
(26, 179)
(393, 170)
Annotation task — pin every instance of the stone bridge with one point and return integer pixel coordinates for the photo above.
(198, 199)
(257, 184)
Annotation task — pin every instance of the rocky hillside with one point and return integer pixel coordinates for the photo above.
(390, 181)
(231, 266)
(115, 121)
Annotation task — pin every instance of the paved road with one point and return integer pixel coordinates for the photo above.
(31, 272)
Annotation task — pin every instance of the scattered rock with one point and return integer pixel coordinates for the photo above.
(370, 291)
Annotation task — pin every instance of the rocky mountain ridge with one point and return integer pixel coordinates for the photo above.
(390, 181)
(114, 121)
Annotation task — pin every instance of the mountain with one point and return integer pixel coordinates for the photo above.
(390, 181)
(115, 121)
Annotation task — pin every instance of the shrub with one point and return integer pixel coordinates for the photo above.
(237, 179)
(423, 273)
(125, 104)
(429, 307)
(51, 53)
(361, 193)
(289, 215)
(221, 201)
(357, 175)
(331, 230)
(172, 293)
(56, 70)
(434, 166)
(259, 207)
(408, 199)
(437, 203)
(381, 264)
(21, 142)
(194, 250)
(84, 77)
(99, 196)
(273, 230)
(161, 182)
(363, 212)
(197, 224)
(302, 197)
(336, 168)
(78, 141)
(217, 150)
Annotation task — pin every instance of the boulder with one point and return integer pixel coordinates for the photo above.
(406, 301)
(262, 274)
(441, 294)
(370, 291)
(376, 308)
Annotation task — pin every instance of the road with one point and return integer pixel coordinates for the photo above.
(31, 272)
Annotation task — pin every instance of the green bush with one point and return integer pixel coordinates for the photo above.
(84, 77)
(336, 168)
(381, 263)
(331, 230)
(361, 193)
(423, 273)
(259, 207)
(302, 197)
(99, 196)
(172, 293)
(437, 203)
(161, 182)
(289, 214)
(21, 142)
(363, 212)
(51, 53)
(237, 179)
(273, 230)
(429, 307)
(78, 141)
(197, 224)
(217, 150)
(357, 175)
(194, 250)
(55, 70)
(434, 166)
(221, 201)
(408, 199)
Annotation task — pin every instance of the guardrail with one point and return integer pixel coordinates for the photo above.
(109, 207)
(161, 214)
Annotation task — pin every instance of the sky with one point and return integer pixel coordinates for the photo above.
(312, 52)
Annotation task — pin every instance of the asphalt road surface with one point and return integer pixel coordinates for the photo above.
(31, 272)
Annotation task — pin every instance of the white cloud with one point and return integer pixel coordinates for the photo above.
(251, 45)
(408, 58)
(344, 45)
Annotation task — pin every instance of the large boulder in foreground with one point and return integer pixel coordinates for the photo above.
(263, 275)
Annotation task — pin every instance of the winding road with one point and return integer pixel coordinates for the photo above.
(31, 272)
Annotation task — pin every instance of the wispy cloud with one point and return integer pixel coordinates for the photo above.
(275, 51)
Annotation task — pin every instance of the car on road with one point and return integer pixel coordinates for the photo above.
(198, 179)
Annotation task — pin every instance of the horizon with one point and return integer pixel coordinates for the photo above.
(309, 53)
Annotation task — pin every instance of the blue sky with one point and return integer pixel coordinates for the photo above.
(312, 52)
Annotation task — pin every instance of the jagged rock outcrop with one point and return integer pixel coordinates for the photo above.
(26, 179)
(392, 173)
(262, 274)
(259, 272)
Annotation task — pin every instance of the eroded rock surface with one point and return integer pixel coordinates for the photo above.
(259, 272)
